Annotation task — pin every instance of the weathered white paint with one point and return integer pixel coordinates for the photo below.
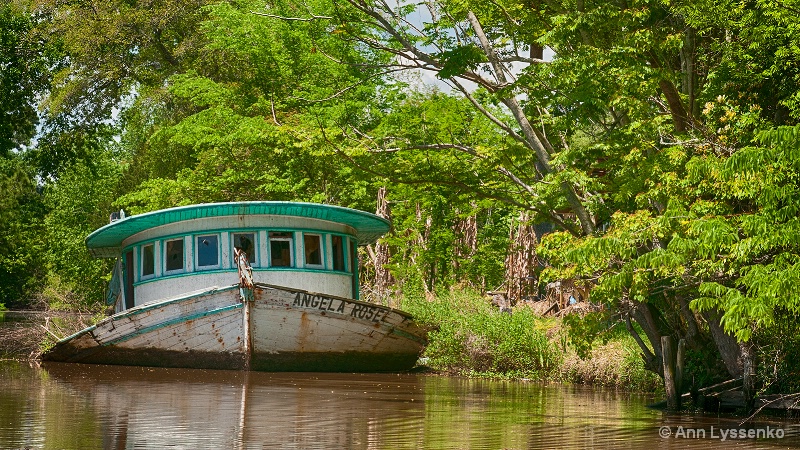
(282, 323)
(136, 319)
(159, 269)
(336, 284)
(214, 323)
(188, 250)
(263, 245)
(225, 250)
(328, 244)
(299, 258)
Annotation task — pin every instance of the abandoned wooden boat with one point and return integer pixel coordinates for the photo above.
(270, 286)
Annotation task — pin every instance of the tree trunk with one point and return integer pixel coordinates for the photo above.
(728, 348)
(466, 243)
(537, 51)
(650, 360)
(688, 58)
(679, 372)
(676, 109)
(692, 331)
(643, 314)
(521, 260)
(380, 255)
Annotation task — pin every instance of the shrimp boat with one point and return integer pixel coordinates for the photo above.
(267, 286)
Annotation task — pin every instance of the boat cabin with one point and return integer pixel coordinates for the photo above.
(180, 250)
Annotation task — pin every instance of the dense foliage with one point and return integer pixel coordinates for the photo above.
(657, 137)
(470, 336)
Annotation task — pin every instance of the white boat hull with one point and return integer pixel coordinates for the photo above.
(300, 331)
(279, 329)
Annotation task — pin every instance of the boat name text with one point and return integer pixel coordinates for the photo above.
(340, 306)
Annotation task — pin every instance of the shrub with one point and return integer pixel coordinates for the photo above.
(469, 336)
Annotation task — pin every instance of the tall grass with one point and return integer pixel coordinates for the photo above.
(468, 336)
(615, 363)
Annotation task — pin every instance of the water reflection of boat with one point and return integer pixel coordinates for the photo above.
(156, 407)
(295, 307)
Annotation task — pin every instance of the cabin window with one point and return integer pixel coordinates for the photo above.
(246, 243)
(312, 244)
(207, 250)
(148, 257)
(338, 252)
(173, 252)
(280, 248)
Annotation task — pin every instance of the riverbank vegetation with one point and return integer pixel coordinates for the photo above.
(643, 153)
(471, 337)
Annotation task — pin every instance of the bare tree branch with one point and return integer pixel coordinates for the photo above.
(531, 137)
(517, 58)
(542, 207)
(347, 88)
(486, 113)
(300, 19)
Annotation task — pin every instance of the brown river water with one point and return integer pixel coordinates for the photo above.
(76, 406)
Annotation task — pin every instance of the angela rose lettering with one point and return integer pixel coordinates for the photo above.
(319, 302)
(373, 313)
(366, 312)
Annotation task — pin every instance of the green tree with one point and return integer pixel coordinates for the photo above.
(243, 127)
(611, 135)
(24, 72)
(22, 264)
(116, 48)
(78, 203)
(25, 61)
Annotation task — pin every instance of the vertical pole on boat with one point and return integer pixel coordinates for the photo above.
(246, 295)
(248, 340)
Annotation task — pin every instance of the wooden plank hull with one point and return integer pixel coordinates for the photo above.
(299, 331)
(280, 329)
(198, 330)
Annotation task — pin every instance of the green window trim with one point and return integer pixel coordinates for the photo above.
(174, 252)
(293, 236)
(319, 256)
(205, 249)
(147, 261)
(254, 247)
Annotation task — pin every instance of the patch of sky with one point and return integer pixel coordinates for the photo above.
(421, 20)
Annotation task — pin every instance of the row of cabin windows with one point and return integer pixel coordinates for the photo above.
(207, 252)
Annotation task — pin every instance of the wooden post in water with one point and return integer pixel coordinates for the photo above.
(679, 369)
(668, 359)
(748, 377)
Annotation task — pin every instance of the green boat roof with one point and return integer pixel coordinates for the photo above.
(108, 239)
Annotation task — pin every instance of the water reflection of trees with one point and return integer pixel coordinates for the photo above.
(465, 413)
(37, 412)
(87, 406)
